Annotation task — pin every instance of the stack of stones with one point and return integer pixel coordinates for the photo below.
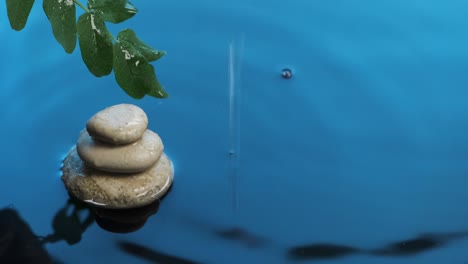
(117, 162)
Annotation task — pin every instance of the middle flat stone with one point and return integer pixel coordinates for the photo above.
(135, 157)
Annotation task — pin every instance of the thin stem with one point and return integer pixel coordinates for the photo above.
(112, 36)
(81, 5)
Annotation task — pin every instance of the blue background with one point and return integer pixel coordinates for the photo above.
(366, 144)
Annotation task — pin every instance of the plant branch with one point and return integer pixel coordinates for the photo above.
(112, 36)
(81, 5)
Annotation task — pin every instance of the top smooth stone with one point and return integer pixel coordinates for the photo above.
(119, 124)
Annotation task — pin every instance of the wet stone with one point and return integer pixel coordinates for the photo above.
(119, 124)
(136, 157)
(116, 191)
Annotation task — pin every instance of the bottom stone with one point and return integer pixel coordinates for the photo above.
(114, 190)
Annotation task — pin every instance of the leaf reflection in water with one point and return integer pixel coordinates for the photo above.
(151, 254)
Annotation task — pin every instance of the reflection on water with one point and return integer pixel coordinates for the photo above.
(18, 243)
(68, 225)
(243, 236)
(320, 251)
(125, 220)
(407, 247)
(151, 254)
(419, 244)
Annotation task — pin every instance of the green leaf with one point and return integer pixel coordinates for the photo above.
(156, 89)
(135, 54)
(114, 11)
(150, 54)
(18, 12)
(132, 71)
(62, 17)
(95, 44)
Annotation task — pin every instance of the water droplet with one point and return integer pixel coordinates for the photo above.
(286, 73)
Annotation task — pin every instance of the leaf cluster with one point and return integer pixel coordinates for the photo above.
(127, 56)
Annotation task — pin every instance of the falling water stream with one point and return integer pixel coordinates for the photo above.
(235, 92)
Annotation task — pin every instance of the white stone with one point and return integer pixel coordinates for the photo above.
(119, 124)
(136, 157)
(116, 191)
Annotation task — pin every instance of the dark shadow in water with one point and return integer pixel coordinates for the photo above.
(230, 233)
(408, 247)
(320, 251)
(125, 220)
(243, 236)
(67, 225)
(418, 244)
(18, 243)
(151, 254)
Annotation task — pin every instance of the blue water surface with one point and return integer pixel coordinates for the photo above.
(366, 145)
